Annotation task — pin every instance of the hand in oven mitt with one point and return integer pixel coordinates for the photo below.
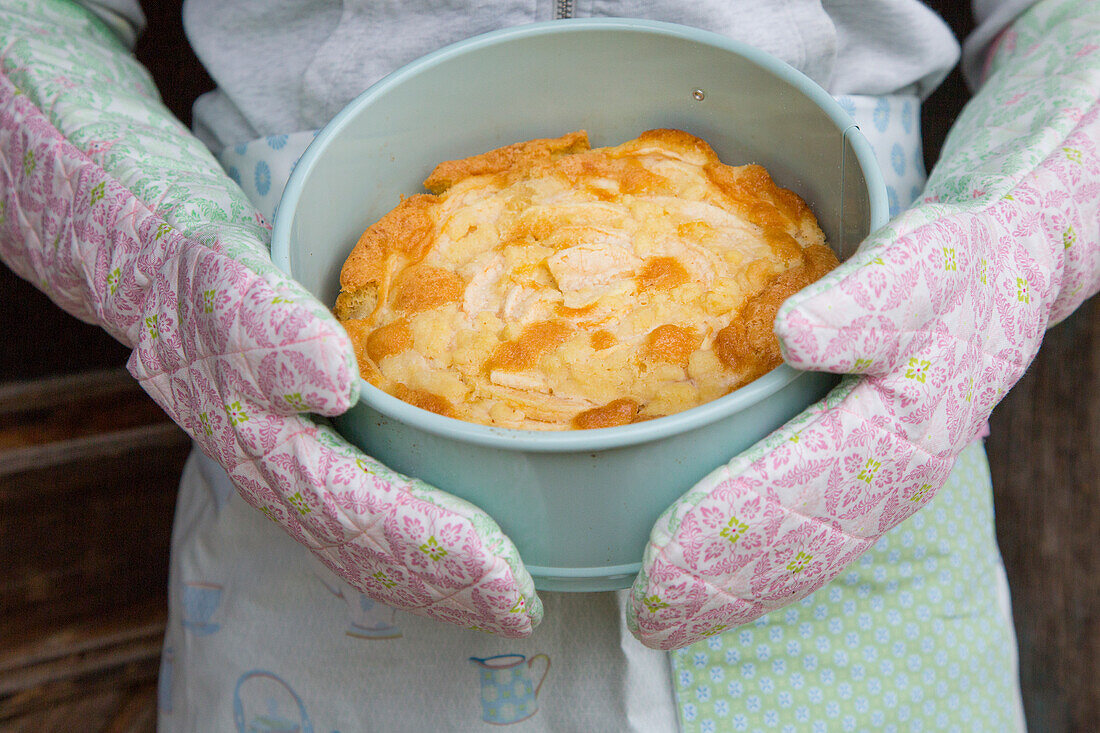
(940, 313)
(113, 209)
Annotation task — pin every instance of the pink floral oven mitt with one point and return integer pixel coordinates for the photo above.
(112, 208)
(939, 313)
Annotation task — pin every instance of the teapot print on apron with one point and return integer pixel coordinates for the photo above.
(508, 694)
(278, 708)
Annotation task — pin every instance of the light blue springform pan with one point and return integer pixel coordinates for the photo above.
(579, 505)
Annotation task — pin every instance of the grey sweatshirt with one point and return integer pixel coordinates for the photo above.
(288, 65)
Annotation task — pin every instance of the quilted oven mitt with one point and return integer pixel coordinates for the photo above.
(118, 214)
(940, 313)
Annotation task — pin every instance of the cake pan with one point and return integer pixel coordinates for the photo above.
(579, 505)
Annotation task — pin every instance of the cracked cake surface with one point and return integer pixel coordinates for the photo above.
(547, 285)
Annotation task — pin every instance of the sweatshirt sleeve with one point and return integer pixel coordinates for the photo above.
(125, 17)
(991, 17)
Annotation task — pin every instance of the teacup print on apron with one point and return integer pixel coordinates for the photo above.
(508, 695)
(264, 703)
(367, 618)
(200, 602)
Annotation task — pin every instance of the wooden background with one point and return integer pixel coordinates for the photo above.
(88, 471)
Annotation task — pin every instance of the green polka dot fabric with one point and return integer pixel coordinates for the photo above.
(916, 635)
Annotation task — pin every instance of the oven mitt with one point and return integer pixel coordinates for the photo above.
(115, 211)
(939, 313)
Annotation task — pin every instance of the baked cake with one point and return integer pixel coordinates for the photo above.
(547, 285)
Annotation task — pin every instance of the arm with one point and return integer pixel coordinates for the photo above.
(939, 313)
(112, 208)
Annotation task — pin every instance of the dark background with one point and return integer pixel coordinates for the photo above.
(88, 471)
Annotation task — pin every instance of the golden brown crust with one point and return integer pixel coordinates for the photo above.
(617, 412)
(672, 344)
(754, 194)
(405, 232)
(422, 287)
(388, 340)
(356, 304)
(524, 351)
(516, 158)
(549, 285)
(424, 400)
(630, 176)
(748, 344)
(602, 339)
(359, 333)
(662, 273)
(669, 139)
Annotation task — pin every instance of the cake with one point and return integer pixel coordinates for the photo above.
(547, 285)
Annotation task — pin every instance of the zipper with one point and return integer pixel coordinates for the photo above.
(563, 9)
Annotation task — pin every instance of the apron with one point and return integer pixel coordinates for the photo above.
(916, 635)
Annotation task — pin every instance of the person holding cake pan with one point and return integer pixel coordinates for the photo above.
(353, 609)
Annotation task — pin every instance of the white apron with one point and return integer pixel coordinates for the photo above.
(915, 635)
